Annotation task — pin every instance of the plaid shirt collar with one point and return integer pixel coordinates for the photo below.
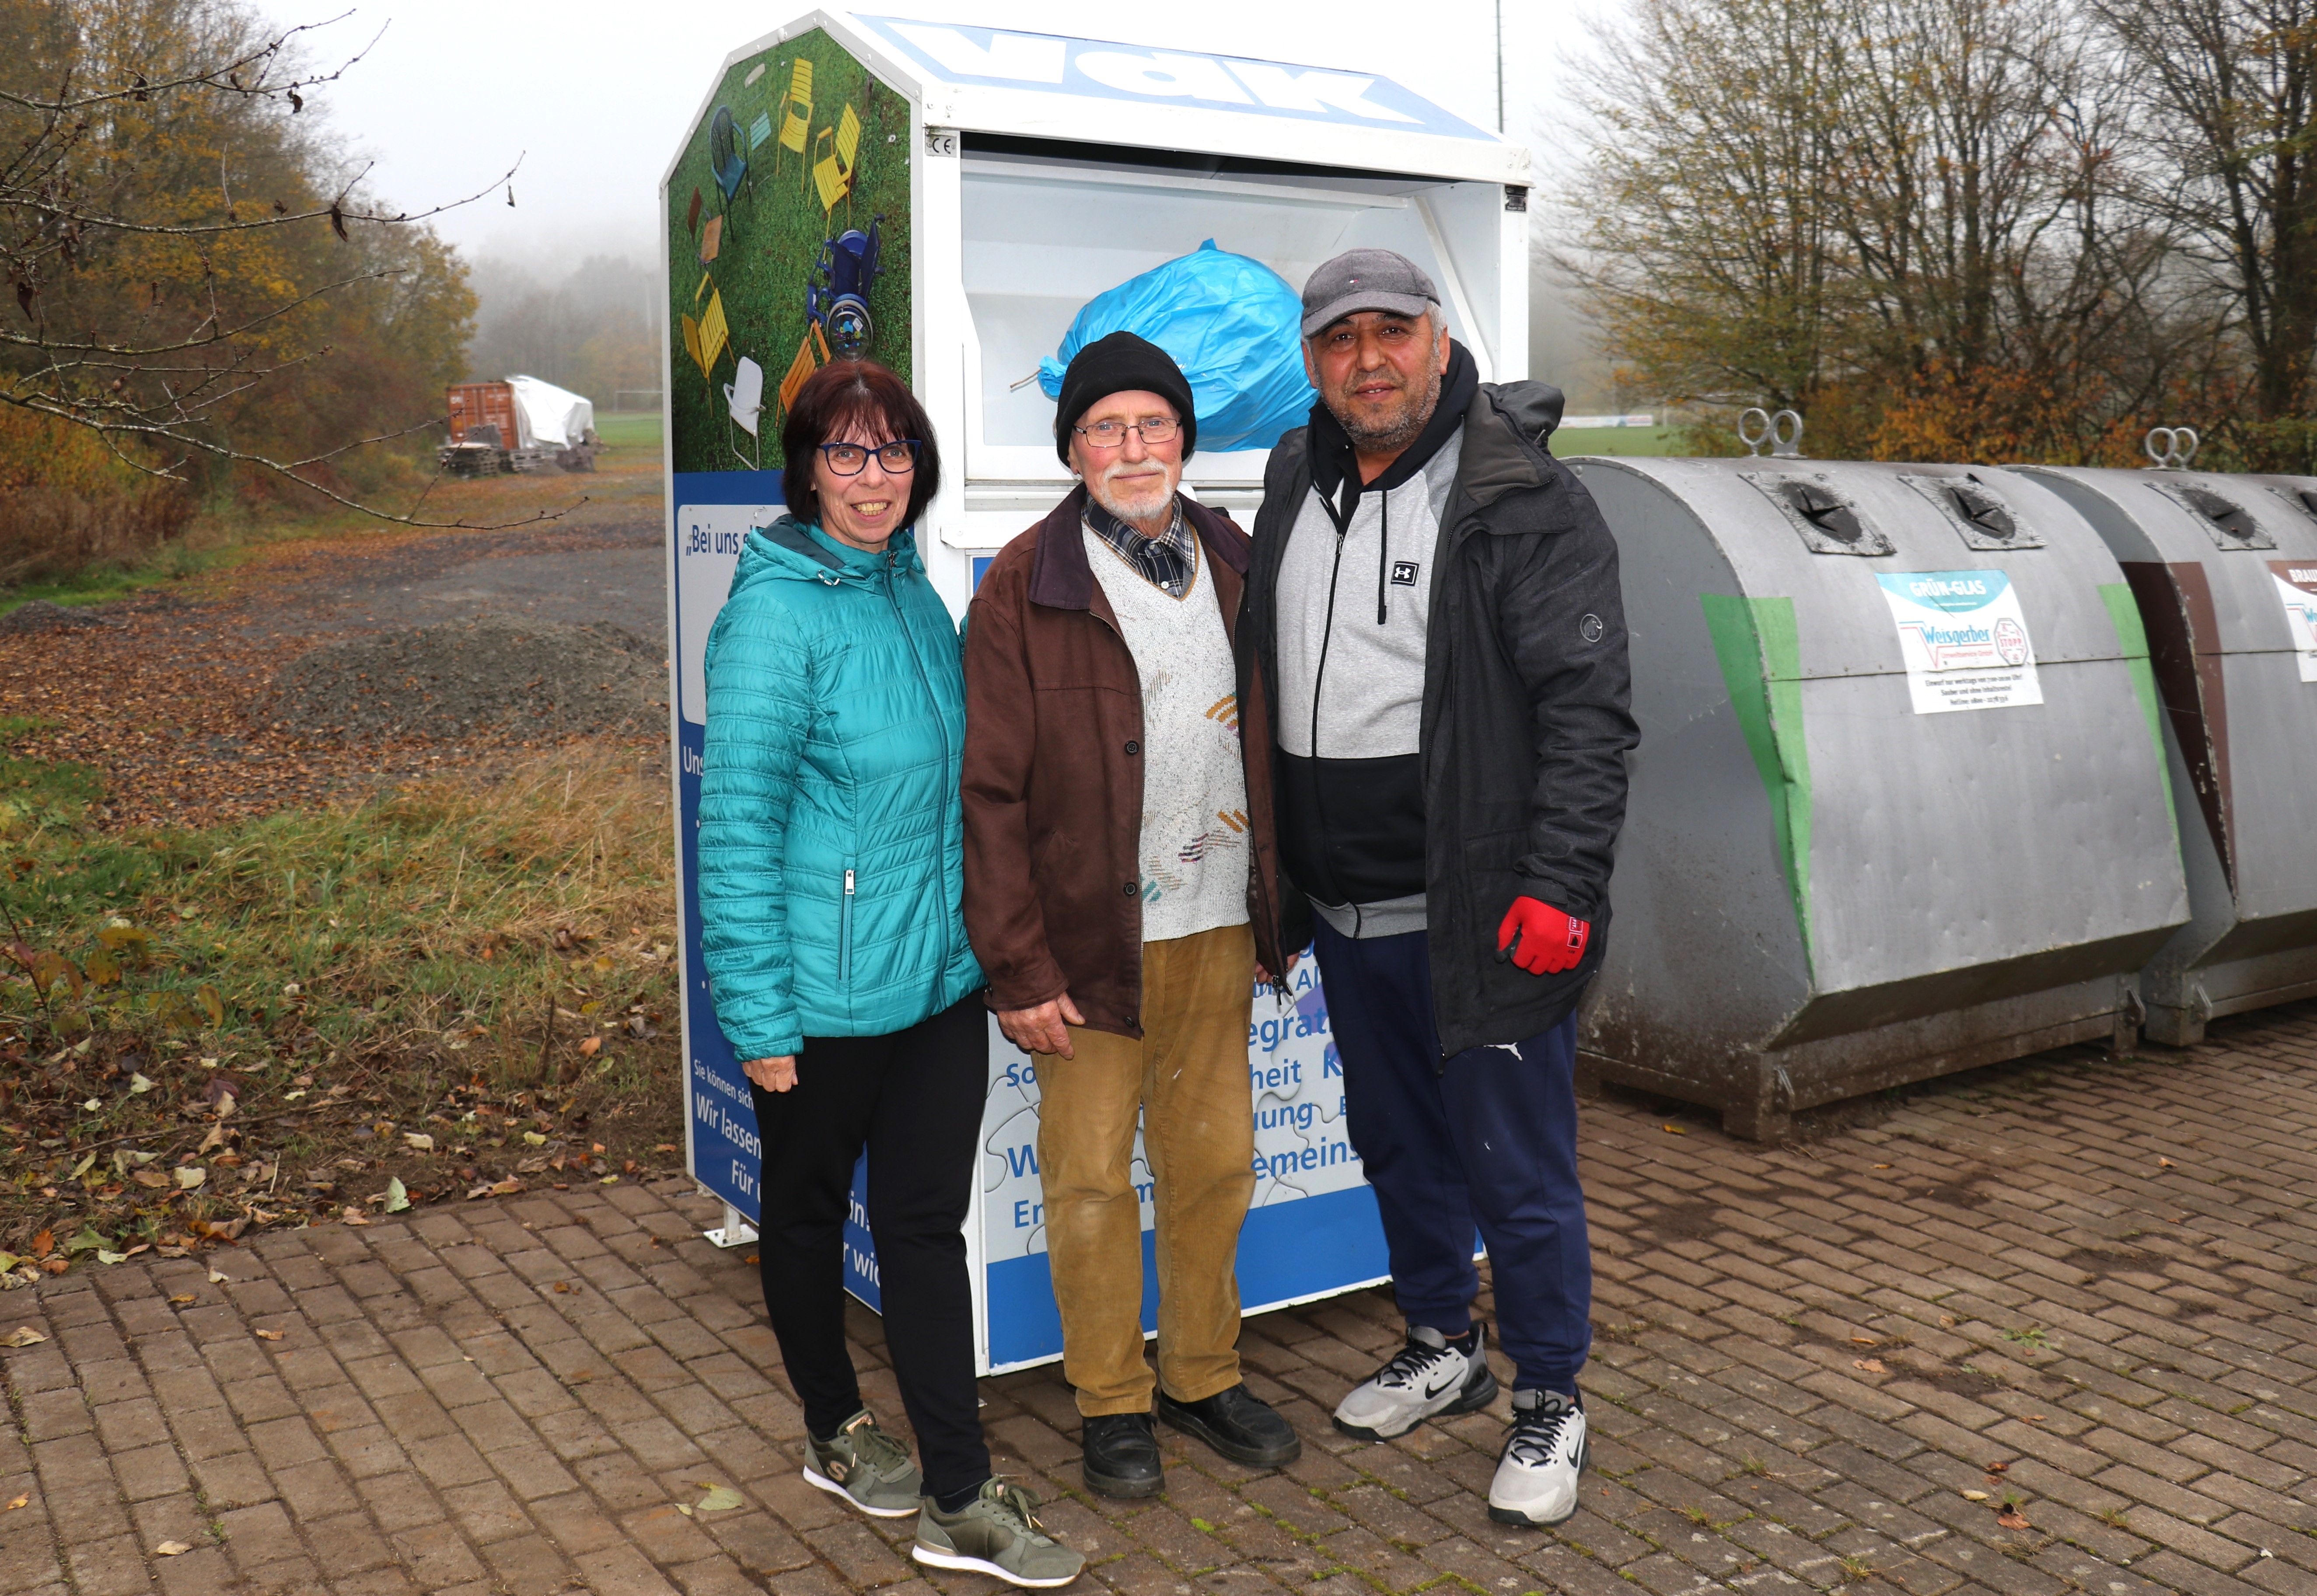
(1167, 561)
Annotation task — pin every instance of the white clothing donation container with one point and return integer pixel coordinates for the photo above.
(945, 199)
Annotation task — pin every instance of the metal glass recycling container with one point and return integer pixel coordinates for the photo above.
(1900, 803)
(945, 198)
(2224, 569)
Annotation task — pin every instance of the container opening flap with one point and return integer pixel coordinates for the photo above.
(2228, 523)
(1981, 515)
(1828, 520)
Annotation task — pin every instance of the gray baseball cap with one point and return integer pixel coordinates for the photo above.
(1366, 280)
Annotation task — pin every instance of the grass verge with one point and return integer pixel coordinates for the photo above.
(102, 585)
(461, 988)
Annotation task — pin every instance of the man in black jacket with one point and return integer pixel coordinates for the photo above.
(1435, 611)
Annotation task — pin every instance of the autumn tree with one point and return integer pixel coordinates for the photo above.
(1709, 254)
(1909, 219)
(201, 279)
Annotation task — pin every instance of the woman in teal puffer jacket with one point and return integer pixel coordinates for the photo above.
(831, 869)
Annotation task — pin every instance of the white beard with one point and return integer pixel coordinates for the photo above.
(1143, 502)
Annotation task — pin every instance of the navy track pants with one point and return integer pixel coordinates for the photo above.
(1488, 1139)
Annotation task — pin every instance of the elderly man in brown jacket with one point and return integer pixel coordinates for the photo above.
(1121, 890)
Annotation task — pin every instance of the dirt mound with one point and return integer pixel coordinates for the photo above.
(38, 615)
(544, 678)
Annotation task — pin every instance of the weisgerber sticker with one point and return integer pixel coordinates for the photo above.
(2296, 584)
(1964, 639)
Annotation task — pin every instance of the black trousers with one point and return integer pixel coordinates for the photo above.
(914, 1100)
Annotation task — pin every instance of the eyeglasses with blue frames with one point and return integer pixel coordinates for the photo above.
(850, 459)
(1110, 434)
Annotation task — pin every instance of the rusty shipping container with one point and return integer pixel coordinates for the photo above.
(483, 405)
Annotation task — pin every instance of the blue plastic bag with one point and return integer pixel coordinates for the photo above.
(1231, 323)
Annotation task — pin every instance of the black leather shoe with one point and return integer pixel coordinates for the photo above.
(1237, 1424)
(1122, 1456)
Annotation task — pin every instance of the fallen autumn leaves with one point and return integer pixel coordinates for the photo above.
(330, 1015)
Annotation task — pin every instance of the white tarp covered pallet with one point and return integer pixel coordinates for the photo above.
(548, 416)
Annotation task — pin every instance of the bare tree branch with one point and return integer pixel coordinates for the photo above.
(223, 77)
(334, 212)
(2229, 88)
(1914, 216)
(200, 283)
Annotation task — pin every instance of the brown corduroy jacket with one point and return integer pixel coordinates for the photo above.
(1053, 776)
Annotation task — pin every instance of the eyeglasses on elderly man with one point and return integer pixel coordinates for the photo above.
(1110, 434)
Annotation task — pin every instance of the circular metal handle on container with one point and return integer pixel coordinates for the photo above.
(2171, 448)
(1772, 431)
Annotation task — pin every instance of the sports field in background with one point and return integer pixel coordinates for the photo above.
(634, 429)
(1570, 441)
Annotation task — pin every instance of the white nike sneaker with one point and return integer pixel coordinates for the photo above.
(1424, 1379)
(1536, 1476)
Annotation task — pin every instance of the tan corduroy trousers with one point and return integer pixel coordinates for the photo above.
(1187, 1078)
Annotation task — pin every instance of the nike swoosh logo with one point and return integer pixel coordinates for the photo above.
(1432, 1391)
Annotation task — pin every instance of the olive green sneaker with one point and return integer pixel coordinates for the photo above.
(866, 1467)
(998, 1532)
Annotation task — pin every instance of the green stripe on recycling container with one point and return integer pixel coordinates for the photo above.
(1759, 649)
(2123, 614)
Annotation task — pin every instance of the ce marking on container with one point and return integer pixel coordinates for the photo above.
(942, 142)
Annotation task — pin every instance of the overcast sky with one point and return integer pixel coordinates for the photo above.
(595, 97)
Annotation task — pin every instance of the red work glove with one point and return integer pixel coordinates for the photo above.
(1550, 941)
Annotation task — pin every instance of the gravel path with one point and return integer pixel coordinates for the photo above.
(616, 572)
(329, 667)
(455, 678)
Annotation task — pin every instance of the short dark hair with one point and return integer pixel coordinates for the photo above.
(836, 398)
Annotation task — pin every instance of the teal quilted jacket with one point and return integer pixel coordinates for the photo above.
(831, 838)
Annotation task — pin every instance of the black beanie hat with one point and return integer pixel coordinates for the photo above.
(1119, 364)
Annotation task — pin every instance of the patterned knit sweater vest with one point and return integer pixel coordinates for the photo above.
(1194, 836)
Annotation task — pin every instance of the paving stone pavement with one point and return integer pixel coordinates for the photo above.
(2085, 1287)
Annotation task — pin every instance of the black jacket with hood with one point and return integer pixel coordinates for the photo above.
(1526, 718)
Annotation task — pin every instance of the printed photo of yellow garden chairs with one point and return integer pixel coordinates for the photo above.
(805, 364)
(834, 173)
(796, 115)
(706, 339)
